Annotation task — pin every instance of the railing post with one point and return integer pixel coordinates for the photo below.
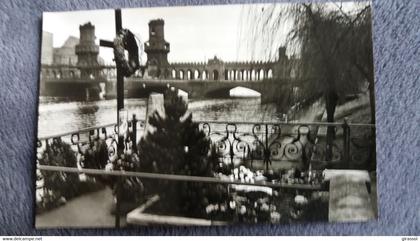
(267, 151)
(346, 143)
(134, 134)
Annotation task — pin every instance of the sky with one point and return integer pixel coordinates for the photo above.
(196, 33)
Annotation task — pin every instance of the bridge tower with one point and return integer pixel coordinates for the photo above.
(87, 52)
(157, 50)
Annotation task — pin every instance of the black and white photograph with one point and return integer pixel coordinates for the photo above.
(206, 115)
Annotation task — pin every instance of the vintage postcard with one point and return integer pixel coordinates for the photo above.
(207, 115)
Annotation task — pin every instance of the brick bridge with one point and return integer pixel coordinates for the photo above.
(213, 78)
(200, 89)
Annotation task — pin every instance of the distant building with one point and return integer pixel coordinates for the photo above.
(66, 55)
(47, 50)
(74, 59)
(74, 69)
(157, 50)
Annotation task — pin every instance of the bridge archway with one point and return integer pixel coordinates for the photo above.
(269, 74)
(245, 75)
(229, 73)
(204, 75)
(242, 92)
(196, 74)
(215, 75)
(173, 74)
(181, 74)
(261, 74)
(253, 75)
(189, 74)
(225, 89)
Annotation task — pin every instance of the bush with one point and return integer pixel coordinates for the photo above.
(61, 186)
(178, 147)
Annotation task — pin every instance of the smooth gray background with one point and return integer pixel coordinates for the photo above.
(396, 52)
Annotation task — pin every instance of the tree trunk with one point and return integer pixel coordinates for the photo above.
(331, 99)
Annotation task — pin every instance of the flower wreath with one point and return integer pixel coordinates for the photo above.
(125, 40)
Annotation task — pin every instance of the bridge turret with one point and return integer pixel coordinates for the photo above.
(87, 52)
(157, 49)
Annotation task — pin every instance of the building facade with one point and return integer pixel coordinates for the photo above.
(215, 69)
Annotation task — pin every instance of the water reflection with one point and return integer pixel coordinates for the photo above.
(57, 116)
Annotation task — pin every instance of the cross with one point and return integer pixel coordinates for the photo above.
(120, 77)
(120, 106)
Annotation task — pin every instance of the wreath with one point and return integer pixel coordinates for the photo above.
(125, 40)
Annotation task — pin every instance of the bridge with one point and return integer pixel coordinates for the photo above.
(69, 80)
(214, 78)
(269, 89)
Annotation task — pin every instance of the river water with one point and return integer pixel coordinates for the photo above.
(60, 116)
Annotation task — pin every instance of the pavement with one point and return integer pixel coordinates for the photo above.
(87, 211)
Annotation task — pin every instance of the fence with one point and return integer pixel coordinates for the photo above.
(300, 144)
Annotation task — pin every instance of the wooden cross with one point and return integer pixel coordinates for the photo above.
(120, 76)
(120, 106)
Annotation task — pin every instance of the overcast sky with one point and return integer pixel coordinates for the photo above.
(196, 33)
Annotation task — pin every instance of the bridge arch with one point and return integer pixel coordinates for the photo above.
(173, 73)
(189, 74)
(225, 90)
(181, 74)
(204, 75)
(261, 75)
(240, 91)
(245, 75)
(196, 74)
(269, 73)
(253, 75)
(215, 75)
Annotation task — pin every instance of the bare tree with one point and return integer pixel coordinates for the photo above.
(334, 49)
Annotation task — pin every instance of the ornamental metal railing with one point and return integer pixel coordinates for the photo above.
(269, 144)
(352, 146)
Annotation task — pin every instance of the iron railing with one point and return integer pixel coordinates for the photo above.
(236, 142)
(268, 143)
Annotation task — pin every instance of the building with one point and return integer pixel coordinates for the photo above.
(47, 50)
(65, 55)
(157, 50)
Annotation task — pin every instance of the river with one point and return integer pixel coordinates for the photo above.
(58, 116)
